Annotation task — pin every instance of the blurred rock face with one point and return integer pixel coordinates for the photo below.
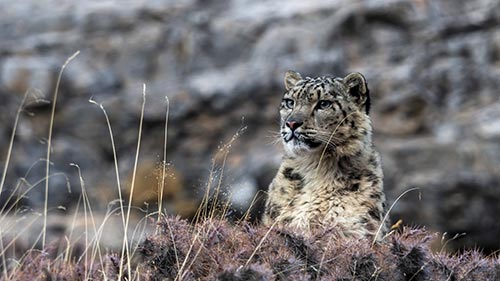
(432, 67)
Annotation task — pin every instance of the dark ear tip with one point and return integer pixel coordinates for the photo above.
(358, 88)
(356, 80)
(355, 77)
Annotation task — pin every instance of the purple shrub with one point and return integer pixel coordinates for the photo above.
(218, 250)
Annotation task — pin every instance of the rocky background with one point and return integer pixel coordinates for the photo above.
(433, 68)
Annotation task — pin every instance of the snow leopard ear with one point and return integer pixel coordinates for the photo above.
(358, 89)
(291, 79)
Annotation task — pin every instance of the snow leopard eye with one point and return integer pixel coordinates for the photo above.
(289, 103)
(324, 104)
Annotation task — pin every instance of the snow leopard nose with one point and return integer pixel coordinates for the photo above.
(293, 124)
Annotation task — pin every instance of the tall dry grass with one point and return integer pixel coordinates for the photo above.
(92, 250)
(93, 257)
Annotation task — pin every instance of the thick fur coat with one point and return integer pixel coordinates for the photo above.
(331, 173)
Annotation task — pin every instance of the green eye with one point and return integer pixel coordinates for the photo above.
(289, 103)
(324, 104)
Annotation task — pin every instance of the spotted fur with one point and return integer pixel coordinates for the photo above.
(331, 173)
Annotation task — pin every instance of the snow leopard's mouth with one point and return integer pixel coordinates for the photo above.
(299, 139)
